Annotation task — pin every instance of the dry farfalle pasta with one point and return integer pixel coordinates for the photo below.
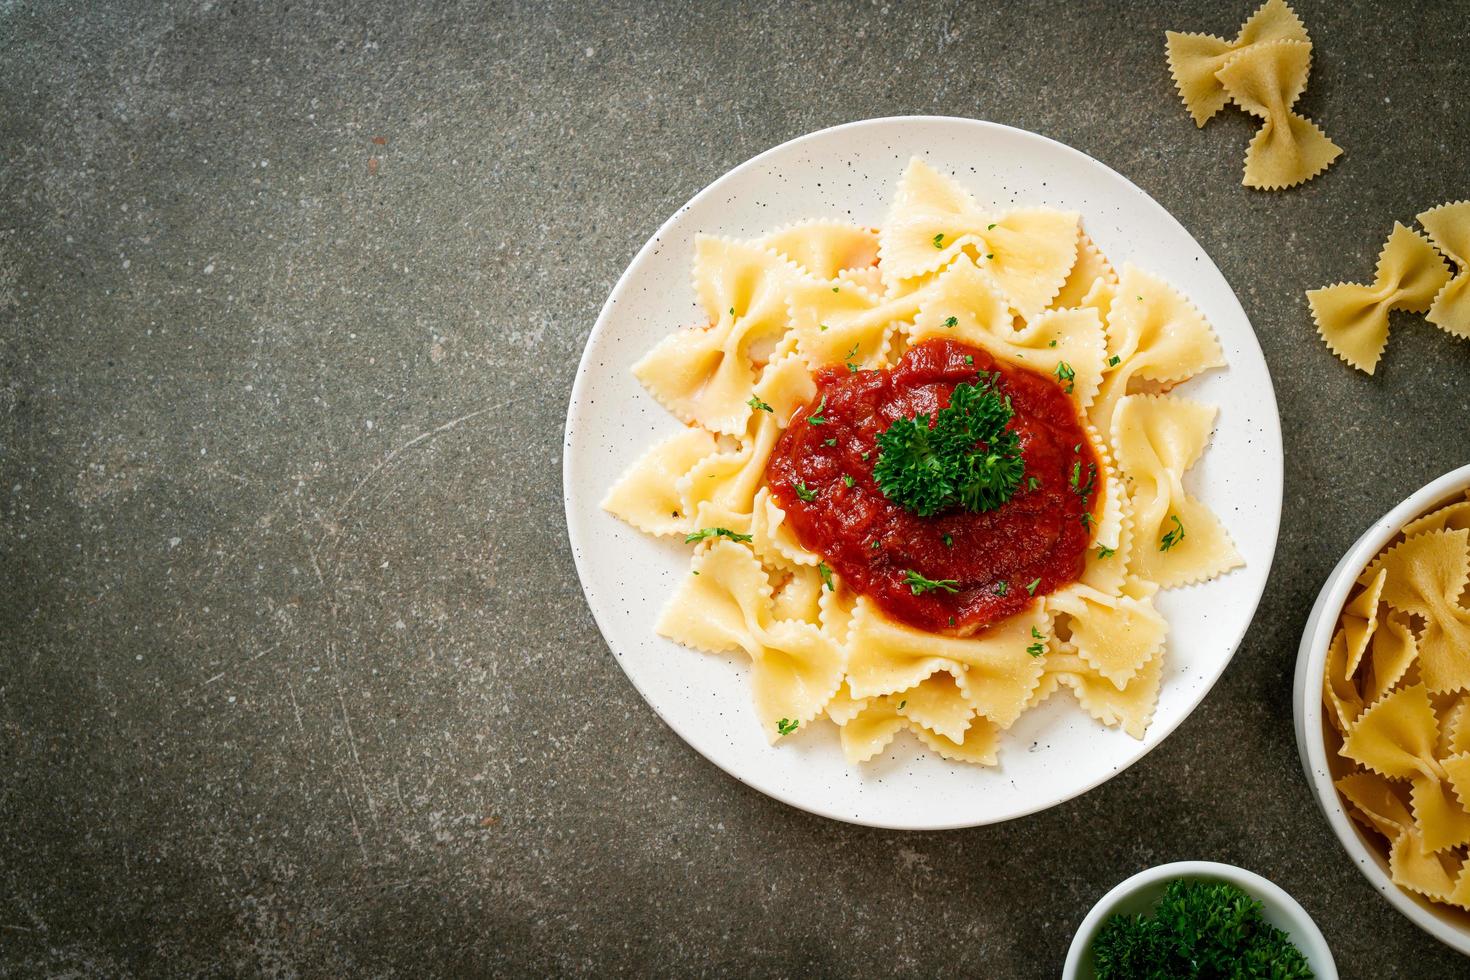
(1264, 71)
(1396, 689)
(1412, 276)
(1195, 58)
(1449, 227)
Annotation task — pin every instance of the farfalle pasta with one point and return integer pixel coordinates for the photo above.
(826, 345)
(1396, 694)
(1194, 59)
(1449, 228)
(1263, 71)
(1266, 82)
(1352, 319)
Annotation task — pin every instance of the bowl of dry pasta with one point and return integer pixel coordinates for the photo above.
(1383, 706)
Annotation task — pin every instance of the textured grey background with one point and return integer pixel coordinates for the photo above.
(295, 673)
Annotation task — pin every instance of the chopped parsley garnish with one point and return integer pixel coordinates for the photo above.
(786, 726)
(939, 240)
(1002, 587)
(1103, 551)
(1173, 537)
(1032, 482)
(948, 541)
(696, 571)
(1031, 588)
(847, 479)
(716, 532)
(968, 457)
(875, 544)
(990, 227)
(952, 321)
(1052, 344)
(902, 704)
(1065, 373)
(990, 255)
(826, 574)
(1086, 519)
(1114, 361)
(1084, 490)
(865, 455)
(732, 311)
(823, 325)
(803, 492)
(919, 584)
(969, 358)
(759, 405)
(834, 289)
(829, 442)
(851, 367)
(1039, 647)
(817, 418)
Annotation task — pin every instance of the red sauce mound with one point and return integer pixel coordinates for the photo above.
(1039, 534)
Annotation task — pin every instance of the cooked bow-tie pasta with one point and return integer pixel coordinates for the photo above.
(1013, 541)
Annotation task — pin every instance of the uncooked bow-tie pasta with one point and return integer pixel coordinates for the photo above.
(931, 473)
(1396, 690)
(1263, 71)
(1412, 276)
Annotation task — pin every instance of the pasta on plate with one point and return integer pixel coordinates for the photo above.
(827, 352)
(1396, 693)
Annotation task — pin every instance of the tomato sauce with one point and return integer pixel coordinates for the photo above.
(1001, 560)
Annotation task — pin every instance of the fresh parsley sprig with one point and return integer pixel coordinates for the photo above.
(966, 457)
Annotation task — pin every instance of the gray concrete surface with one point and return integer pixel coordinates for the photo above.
(295, 673)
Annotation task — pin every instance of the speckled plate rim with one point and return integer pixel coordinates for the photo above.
(579, 535)
(1438, 921)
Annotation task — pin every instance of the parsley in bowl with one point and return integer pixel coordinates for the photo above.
(1202, 920)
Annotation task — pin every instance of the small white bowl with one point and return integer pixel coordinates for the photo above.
(1449, 925)
(1139, 894)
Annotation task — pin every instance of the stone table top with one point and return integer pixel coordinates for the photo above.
(295, 673)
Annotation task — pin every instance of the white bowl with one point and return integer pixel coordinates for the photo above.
(1449, 925)
(1138, 895)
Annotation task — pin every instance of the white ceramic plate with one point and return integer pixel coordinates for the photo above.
(1054, 752)
(1140, 894)
(1446, 923)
